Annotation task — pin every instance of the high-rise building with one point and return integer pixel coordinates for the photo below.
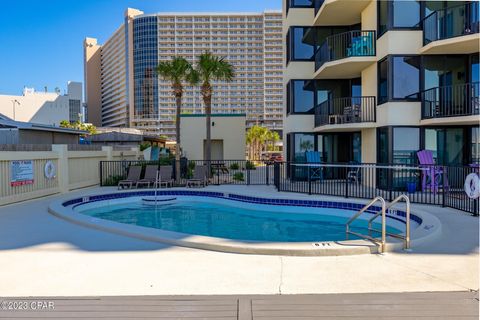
(122, 88)
(376, 81)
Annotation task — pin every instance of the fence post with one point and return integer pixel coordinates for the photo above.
(444, 175)
(248, 175)
(309, 181)
(218, 174)
(346, 182)
(62, 171)
(267, 166)
(109, 152)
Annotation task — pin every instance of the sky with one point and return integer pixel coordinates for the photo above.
(41, 40)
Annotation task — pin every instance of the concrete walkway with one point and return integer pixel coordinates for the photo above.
(41, 255)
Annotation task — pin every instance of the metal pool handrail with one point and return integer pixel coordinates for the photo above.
(382, 212)
(406, 238)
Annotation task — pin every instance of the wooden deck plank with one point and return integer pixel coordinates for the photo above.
(371, 306)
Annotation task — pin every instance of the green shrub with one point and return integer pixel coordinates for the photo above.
(238, 176)
(144, 145)
(250, 165)
(166, 160)
(113, 180)
(234, 166)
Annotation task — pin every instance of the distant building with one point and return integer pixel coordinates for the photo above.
(125, 137)
(123, 90)
(44, 107)
(227, 133)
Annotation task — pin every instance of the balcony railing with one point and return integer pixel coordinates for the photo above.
(317, 4)
(451, 22)
(359, 43)
(451, 101)
(345, 110)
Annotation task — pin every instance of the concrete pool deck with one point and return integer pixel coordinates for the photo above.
(42, 255)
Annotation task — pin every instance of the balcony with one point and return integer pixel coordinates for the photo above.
(455, 104)
(338, 12)
(345, 55)
(452, 30)
(345, 113)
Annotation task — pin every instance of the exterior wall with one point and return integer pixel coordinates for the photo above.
(252, 42)
(93, 82)
(42, 107)
(230, 129)
(74, 169)
(113, 79)
(399, 42)
(46, 137)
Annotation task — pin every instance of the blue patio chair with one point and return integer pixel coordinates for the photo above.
(313, 157)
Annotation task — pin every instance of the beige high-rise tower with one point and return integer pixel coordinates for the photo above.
(125, 90)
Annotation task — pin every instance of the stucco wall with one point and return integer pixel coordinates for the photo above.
(230, 129)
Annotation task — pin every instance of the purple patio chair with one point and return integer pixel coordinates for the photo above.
(432, 176)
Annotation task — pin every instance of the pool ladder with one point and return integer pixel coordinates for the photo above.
(382, 241)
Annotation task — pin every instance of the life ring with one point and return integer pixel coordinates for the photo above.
(472, 186)
(50, 170)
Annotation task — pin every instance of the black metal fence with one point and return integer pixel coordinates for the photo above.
(424, 184)
(437, 185)
(221, 172)
(345, 110)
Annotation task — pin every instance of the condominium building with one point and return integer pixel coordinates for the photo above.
(376, 81)
(43, 107)
(122, 88)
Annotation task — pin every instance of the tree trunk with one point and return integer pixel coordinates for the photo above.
(178, 100)
(207, 100)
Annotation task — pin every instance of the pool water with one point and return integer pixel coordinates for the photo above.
(255, 222)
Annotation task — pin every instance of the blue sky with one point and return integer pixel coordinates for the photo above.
(41, 40)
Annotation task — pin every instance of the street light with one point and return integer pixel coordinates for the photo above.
(15, 101)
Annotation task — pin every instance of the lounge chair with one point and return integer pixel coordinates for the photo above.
(313, 157)
(432, 176)
(132, 177)
(165, 177)
(150, 176)
(199, 177)
(353, 173)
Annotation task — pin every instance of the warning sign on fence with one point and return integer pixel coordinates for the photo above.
(21, 172)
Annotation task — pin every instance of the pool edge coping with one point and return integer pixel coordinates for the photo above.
(429, 229)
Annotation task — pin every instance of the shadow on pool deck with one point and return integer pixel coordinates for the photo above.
(29, 224)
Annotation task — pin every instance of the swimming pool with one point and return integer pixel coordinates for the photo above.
(238, 222)
(235, 220)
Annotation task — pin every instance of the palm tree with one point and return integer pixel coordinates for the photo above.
(177, 71)
(256, 138)
(211, 68)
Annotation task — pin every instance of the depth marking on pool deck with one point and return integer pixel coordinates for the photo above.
(360, 306)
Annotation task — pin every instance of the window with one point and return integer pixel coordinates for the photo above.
(475, 145)
(300, 3)
(398, 14)
(383, 81)
(406, 143)
(406, 77)
(406, 13)
(300, 96)
(398, 78)
(300, 44)
(382, 16)
(446, 145)
(304, 95)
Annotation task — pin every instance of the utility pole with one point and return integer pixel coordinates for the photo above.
(14, 102)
